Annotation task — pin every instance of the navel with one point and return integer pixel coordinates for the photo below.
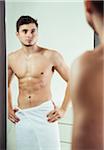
(29, 99)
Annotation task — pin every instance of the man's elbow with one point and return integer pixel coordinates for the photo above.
(68, 81)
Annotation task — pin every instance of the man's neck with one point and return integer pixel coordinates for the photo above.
(99, 27)
(31, 49)
(101, 36)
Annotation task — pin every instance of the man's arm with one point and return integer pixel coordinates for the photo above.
(11, 113)
(63, 70)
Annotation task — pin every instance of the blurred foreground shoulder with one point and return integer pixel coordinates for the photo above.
(82, 59)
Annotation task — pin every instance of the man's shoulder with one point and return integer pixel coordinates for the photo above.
(14, 54)
(83, 58)
(80, 63)
(52, 53)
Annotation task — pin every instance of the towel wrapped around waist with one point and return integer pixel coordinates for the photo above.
(34, 132)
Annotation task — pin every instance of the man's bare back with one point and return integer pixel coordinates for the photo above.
(87, 95)
(87, 87)
(34, 74)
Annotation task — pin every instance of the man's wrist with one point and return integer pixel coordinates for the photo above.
(63, 108)
(10, 108)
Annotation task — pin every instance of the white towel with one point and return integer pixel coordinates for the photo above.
(34, 132)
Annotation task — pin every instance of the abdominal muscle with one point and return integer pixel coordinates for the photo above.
(33, 92)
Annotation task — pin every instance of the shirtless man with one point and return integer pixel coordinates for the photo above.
(87, 87)
(34, 67)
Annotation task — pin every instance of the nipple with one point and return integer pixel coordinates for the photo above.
(42, 73)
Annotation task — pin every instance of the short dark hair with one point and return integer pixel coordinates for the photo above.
(98, 5)
(25, 20)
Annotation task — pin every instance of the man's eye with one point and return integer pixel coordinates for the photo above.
(33, 31)
(25, 31)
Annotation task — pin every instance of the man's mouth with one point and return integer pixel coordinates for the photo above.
(29, 41)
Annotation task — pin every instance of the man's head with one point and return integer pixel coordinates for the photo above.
(27, 30)
(94, 13)
(25, 20)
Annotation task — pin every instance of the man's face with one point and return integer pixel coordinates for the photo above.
(28, 34)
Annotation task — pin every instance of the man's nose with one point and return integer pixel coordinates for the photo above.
(29, 34)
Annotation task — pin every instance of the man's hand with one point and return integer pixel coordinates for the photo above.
(11, 115)
(56, 114)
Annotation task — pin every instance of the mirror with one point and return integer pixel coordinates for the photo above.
(2, 77)
(63, 27)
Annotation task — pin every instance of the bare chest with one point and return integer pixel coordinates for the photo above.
(31, 66)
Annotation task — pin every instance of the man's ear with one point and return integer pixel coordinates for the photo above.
(89, 12)
(17, 34)
(88, 9)
(88, 6)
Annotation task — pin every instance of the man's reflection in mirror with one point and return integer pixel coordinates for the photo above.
(36, 116)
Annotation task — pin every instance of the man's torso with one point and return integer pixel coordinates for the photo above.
(87, 96)
(34, 75)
